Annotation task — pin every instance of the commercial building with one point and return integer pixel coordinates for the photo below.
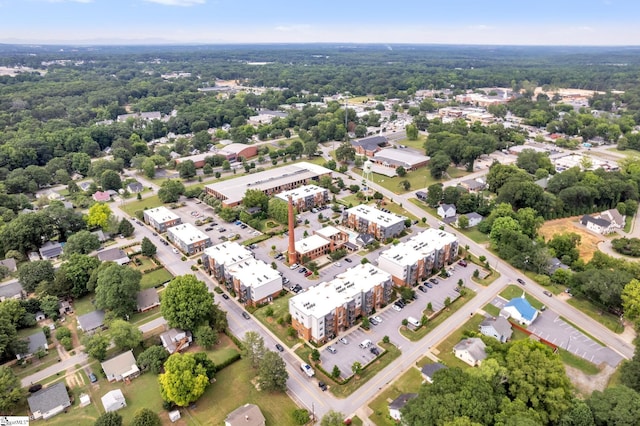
(369, 146)
(323, 311)
(188, 238)
(306, 197)
(219, 258)
(394, 158)
(255, 282)
(370, 220)
(161, 218)
(234, 150)
(418, 257)
(272, 181)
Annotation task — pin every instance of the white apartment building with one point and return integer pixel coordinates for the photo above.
(254, 281)
(188, 238)
(323, 311)
(370, 220)
(219, 258)
(419, 256)
(161, 218)
(306, 197)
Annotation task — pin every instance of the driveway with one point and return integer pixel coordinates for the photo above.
(551, 327)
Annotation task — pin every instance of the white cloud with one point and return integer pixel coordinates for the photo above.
(290, 28)
(182, 3)
(481, 27)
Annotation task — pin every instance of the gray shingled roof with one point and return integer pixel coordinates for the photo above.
(111, 255)
(8, 291)
(49, 398)
(371, 143)
(147, 297)
(401, 401)
(474, 345)
(430, 369)
(500, 324)
(36, 341)
(91, 321)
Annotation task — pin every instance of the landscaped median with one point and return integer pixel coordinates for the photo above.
(437, 318)
(343, 388)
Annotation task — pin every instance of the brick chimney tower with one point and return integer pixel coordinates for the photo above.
(293, 258)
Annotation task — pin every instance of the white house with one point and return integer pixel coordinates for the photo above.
(471, 350)
(397, 404)
(474, 219)
(446, 210)
(498, 328)
(597, 224)
(49, 401)
(612, 215)
(520, 310)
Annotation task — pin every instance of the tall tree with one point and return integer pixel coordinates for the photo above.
(332, 418)
(187, 169)
(617, 405)
(32, 274)
(125, 335)
(145, 417)
(253, 348)
(125, 228)
(83, 242)
(153, 359)
(184, 380)
(110, 180)
(272, 374)
(96, 345)
(74, 274)
(109, 419)
(147, 248)
(98, 216)
(345, 152)
(187, 303)
(12, 391)
(116, 289)
(170, 191)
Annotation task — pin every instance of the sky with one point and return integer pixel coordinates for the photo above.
(504, 22)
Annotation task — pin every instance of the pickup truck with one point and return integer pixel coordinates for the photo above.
(307, 369)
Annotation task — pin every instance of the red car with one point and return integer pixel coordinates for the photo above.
(462, 262)
(308, 273)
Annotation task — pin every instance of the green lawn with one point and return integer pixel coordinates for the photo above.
(577, 362)
(280, 308)
(417, 144)
(232, 389)
(414, 336)
(409, 382)
(36, 364)
(475, 235)
(610, 321)
(418, 179)
(146, 203)
(155, 278)
(83, 305)
(491, 310)
(513, 291)
(445, 348)
(140, 318)
(145, 263)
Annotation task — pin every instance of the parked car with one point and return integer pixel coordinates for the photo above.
(279, 347)
(346, 259)
(246, 315)
(547, 293)
(302, 270)
(308, 273)
(396, 307)
(225, 296)
(422, 289)
(377, 318)
(428, 285)
(92, 378)
(521, 281)
(208, 229)
(155, 234)
(373, 321)
(294, 266)
(434, 281)
(338, 264)
(462, 262)
(331, 349)
(322, 386)
(344, 341)
(375, 351)
(307, 369)
(175, 250)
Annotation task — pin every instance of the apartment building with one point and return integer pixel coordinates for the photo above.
(419, 257)
(323, 311)
(323, 241)
(254, 281)
(219, 258)
(161, 218)
(188, 238)
(370, 220)
(306, 197)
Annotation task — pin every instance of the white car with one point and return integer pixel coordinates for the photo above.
(344, 341)
(378, 319)
(338, 264)
(396, 308)
(175, 250)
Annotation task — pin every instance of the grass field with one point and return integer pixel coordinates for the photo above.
(418, 179)
(417, 144)
(280, 308)
(577, 362)
(145, 203)
(513, 291)
(475, 235)
(155, 278)
(409, 382)
(610, 321)
(588, 241)
(445, 348)
(491, 310)
(83, 305)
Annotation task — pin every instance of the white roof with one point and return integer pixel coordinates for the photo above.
(234, 189)
(399, 157)
(228, 253)
(301, 192)
(188, 233)
(161, 214)
(254, 273)
(322, 299)
(328, 231)
(372, 214)
(310, 243)
(418, 247)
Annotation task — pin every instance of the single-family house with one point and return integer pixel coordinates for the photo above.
(365, 239)
(498, 328)
(34, 256)
(471, 350)
(121, 367)
(35, 343)
(554, 264)
(10, 264)
(246, 415)
(147, 299)
(474, 219)
(520, 310)
(49, 401)
(175, 340)
(397, 404)
(91, 322)
(430, 369)
(597, 224)
(613, 215)
(101, 196)
(473, 185)
(113, 401)
(446, 210)
(64, 307)
(12, 290)
(100, 234)
(50, 250)
(135, 187)
(84, 185)
(114, 255)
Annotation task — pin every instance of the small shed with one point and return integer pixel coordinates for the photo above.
(174, 416)
(113, 401)
(84, 400)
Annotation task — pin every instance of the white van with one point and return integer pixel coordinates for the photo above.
(414, 322)
(365, 344)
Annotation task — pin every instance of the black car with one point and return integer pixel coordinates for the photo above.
(323, 386)
(521, 281)
(346, 259)
(433, 280)
(279, 347)
(302, 270)
(246, 315)
(155, 234)
(375, 351)
(428, 285)
(400, 303)
(422, 289)
(373, 321)
(224, 296)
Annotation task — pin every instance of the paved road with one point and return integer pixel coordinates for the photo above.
(80, 358)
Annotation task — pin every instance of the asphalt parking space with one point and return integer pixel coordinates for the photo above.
(551, 327)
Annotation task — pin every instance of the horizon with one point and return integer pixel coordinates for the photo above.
(459, 22)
